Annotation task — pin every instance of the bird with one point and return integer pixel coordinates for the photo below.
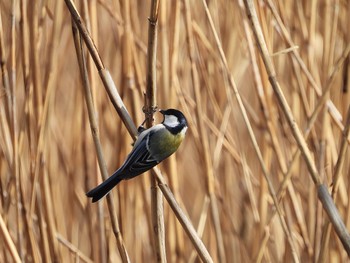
(152, 146)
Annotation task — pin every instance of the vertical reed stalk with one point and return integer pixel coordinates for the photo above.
(95, 134)
(48, 158)
(210, 180)
(251, 134)
(323, 195)
(14, 129)
(149, 108)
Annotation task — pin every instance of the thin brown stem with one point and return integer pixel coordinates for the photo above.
(149, 109)
(95, 135)
(233, 86)
(323, 194)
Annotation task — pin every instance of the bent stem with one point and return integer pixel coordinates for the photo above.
(252, 136)
(323, 194)
(125, 117)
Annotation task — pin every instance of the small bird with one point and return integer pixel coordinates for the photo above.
(152, 146)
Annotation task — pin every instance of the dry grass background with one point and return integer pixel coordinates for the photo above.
(48, 159)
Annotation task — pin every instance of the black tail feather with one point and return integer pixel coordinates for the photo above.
(101, 190)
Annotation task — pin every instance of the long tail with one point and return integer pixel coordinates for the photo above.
(101, 190)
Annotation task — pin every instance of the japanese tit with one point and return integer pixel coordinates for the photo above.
(152, 146)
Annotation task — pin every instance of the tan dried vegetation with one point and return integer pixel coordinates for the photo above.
(267, 100)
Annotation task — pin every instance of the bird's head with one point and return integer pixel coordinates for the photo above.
(174, 121)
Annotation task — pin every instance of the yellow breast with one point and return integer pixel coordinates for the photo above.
(164, 144)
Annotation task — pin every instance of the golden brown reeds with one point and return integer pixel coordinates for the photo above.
(264, 86)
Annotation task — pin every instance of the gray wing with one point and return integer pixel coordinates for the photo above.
(139, 160)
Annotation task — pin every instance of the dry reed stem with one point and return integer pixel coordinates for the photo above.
(104, 74)
(336, 177)
(36, 72)
(5, 75)
(201, 225)
(260, 255)
(6, 107)
(275, 143)
(251, 134)
(186, 224)
(91, 24)
(45, 205)
(210, 180)
(330, 105)
(323, 194)
(29, 112)
(227, 140)
(149, 109)
(341, 158)
(217, 154)
(170, 71)
(67, 161)
(272, 77)
(43, 233)
(95, 135)
(51, 225)
(118, 104)
(164, 44)
(43, 108)
(14, 130)
(320, 104)
(80, 255)
(8, 241)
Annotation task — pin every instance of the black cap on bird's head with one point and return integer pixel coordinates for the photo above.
(174, 120)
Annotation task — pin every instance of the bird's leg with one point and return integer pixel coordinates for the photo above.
(141, 128)
(149, 115)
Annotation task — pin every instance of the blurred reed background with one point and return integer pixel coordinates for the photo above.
(48, 159)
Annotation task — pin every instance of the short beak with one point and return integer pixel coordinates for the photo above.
(161, 111)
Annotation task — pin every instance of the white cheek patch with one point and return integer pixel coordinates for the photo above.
(183, 131)
(171, 121)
